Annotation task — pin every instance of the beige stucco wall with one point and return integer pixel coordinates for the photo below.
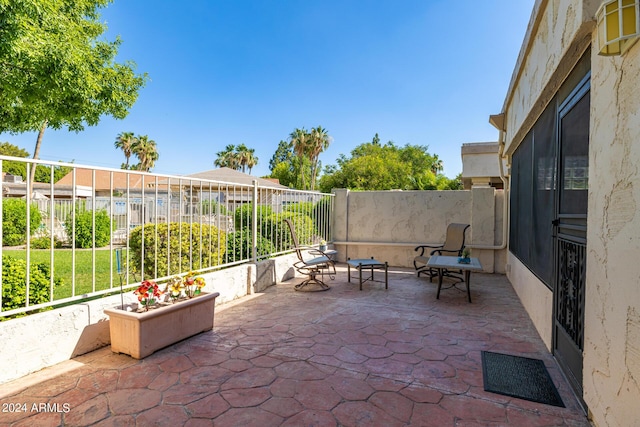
(560, 31)
(388, 225)
(536, 298)
(557, 36)
(81, 328)
(480, 164)
(612, 330)
(407, 218)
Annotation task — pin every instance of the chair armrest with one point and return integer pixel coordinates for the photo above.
(316, 251)
(422, 248)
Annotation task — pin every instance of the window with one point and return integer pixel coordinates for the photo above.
(534, 178)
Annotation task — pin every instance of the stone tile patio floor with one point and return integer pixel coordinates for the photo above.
(337, 358)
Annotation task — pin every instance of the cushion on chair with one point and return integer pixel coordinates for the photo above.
(316, 261)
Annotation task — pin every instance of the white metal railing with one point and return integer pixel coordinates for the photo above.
(103, 229)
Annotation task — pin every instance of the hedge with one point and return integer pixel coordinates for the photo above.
(179, 247)
(239, 246)
(14, 290)
(84, 228)
(14, 221)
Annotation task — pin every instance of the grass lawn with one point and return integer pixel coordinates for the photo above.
(83, 269)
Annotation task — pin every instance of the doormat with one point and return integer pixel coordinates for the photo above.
(519, 377)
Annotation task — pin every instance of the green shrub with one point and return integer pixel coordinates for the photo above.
(14, 221)
(179, 247)
(322, 217)
(84, 228)
(275, 230)
(211, 207)
(243, 216)
(304, 208)
(44, 242)
(14, 290)
(239, 246)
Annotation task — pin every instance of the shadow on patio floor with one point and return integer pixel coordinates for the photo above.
(344, 357)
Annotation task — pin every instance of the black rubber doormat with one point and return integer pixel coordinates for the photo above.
(519, 377)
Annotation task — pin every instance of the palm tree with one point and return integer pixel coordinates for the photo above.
(242, 154)
(252, 160)
(318, 142)
(300, 140)
(147, 152)
(125, 142)
(227, 158)
(436, 165)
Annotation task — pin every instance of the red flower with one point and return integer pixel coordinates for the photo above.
(146, 293)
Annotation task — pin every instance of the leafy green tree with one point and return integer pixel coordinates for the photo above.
(290, 172)
(13, 167)
(43, 173)
(283, 153)
(296, 161)
(372, 166)
(56, 71)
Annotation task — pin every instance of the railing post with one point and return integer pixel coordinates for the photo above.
(254, 223)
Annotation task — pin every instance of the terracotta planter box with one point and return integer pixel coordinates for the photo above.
(140, 334)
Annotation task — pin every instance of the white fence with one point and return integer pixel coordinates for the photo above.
(103, 229)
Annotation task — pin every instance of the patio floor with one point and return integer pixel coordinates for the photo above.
(344, 357)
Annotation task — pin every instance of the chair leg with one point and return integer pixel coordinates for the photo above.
(312, 280)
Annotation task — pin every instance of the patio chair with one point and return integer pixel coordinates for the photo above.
(311, 267)
(452, 246)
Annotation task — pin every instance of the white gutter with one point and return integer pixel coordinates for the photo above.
(505, 206)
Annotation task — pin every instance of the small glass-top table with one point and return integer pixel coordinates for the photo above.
(451, 263)
(370, 264)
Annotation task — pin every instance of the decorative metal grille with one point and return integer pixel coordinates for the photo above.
(571, 289)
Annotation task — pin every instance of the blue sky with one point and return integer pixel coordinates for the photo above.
(423, 72)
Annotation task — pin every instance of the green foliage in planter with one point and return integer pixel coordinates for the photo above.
(85, 231)
(14, 290)
(178, 247)
(239, 246)
(14, 221)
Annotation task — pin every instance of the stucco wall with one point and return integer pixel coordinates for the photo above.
(560, 31)
(612, 330)
(536, 298)
(34, 342)
(558, 34)
(388, 225)
(480, 160)
(407, 218)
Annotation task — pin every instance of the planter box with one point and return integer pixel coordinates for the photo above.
(140, 334)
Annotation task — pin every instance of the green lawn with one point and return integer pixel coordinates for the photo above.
(83, 269)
